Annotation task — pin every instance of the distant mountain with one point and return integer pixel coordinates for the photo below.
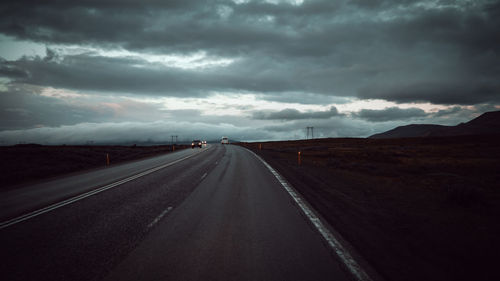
(413, 130)
(486, 124)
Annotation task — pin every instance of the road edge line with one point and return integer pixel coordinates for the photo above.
(347, 259)
(89, 193)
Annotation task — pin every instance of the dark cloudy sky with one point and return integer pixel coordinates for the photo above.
(113, 71)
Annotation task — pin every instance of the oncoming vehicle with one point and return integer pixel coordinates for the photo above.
(196, 143)
(224, 140)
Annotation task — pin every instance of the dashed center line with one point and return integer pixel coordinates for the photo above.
(204, 175)
(158, 218)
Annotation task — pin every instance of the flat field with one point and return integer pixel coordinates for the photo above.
(415, 208)
(21, 164)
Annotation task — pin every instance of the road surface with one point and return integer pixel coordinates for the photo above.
(215, 213)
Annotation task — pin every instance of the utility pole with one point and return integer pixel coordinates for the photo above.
(312, 132)
(172, 142)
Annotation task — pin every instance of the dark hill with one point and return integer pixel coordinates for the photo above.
(486, 124)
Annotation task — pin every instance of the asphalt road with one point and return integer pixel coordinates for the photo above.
(218, 215)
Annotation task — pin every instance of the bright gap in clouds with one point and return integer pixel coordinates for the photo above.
(11, 49)
(129, 119)
(356, 105)
(194, 60)
(218, 104)
(237, 104)
(61, 93)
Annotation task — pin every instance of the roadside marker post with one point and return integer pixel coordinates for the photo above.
(260, 146)
(298, 158)
(107, 159)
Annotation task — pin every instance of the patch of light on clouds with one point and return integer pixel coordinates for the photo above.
(438, 5)
(192, 61)
(224, 11)
(239, 2)
(275, 2)
(266, 19)
(218, 104)
(242, 104)
(12, 49)
(229, 104)
(375, 104)
(61, 93)
(405, 11)
(196, 60)
(3, 83)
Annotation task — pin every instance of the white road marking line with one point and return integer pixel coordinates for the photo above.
(356, 270)
(204, 175)
(158, 218)
(57, 205)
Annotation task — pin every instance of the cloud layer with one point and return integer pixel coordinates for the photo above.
(305, 58)
(294, 114)
(437, 51)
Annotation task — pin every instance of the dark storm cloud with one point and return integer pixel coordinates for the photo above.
(294, 114)
(468, 90)
(25, 107)
(390, 114)
(22, 108)
(10, 70)
(303, 98)
(137, 76)
(443, 52)
(457, 114)
(90, 72)
(448, 111)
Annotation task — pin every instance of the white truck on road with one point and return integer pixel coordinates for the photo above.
(224, 140)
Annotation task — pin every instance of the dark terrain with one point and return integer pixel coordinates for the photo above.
(486, 124)
(414, 208)
(30, 162)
